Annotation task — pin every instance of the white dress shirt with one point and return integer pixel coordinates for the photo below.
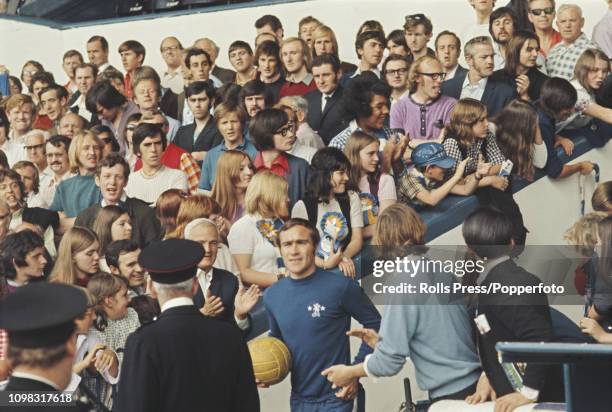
(475, 91)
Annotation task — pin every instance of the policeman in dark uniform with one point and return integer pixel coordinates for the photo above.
(39, 319)
(184, 361)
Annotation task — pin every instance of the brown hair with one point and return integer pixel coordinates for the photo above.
(228, 174)
(103, 223)
(18, 100)
(167, 207)
(75, 240)
(513, 50)
(393, 237)
(192, 208)
(602, 197)
(465, 114)
(356, 142)
(585, 63)
(104, 285)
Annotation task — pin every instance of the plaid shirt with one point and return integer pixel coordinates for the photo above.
(341, 138)
(192, 170)
(411, 184)
(492, 154)
(562, 59)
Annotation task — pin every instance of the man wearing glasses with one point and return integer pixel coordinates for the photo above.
(477, 83)
(425, 111)
(172, 78)
(541, 15)
(563, 57)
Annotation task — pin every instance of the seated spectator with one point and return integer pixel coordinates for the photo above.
(296, 59)
(56, 149)
(477, 82)
(425, 112)
(132, 55)
(369, 47)
(54, 101)
(240, 56)
(116, 78)
(520, 141)
(324, 42)
(377, 188)
(396, 43)
(31, 183)
(482, 11)
(146, 85)
(12, 192)
(12, 149)
(229, 122)
(203, 206)
(167, 207)
(305, 28)
(19, 110)
(234, 172)
(502, 24)
(602, 36)
(418, 31)
(592, 68)
(220, 293)
(329, 190)
(70, 125)
(132, 122)
(291, 105)
(202, 135)
(22, 259)
(448, 50)
(365, 107)
(541, 15)
(112, 224)
(253, 98)
(469, 137)
(395, 74)
(521, 70)
(209, 46)
(115, 320)
(324, 108)
(199, 63)
(529, 317)
(85, 75)
(270, 24)
(306, 137)
(427, 183)
(29, 69)
(112, 109)
(274, 135)
(77, 193)
(251, 238)
(34, 145)
(448, 368)
(269, 68)
(563, 56)
(78, 257)
(171, 50)
(40, 81)
(15, 86)
(173, 156)
(228, 94)
(122, 259)
(105, 134)
(154, 178)
(601, 200)
(557, 101)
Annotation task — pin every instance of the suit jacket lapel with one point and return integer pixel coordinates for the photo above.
(332, 101)
(489, 92)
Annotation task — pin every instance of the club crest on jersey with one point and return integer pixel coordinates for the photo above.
(316, 310)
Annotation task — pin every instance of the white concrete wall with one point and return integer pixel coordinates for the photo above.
(20, 42)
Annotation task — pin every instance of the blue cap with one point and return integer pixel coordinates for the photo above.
(431, 153)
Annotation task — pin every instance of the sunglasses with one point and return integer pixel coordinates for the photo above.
(548, 11)
(434, 76)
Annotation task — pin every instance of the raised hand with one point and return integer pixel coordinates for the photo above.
(245, 300)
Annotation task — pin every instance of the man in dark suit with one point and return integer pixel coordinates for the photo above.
(324, 108)
(504, 317)
(43, 343)
(448, 50)
(202, 135)
(219, 294)
(112, 177)
(477, 82)
(183, 361)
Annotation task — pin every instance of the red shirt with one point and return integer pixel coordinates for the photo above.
(554, 39)
(279, 166)
(298, 89)
(127, 85)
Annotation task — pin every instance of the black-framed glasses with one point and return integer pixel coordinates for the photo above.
(434, 76)
(395, 72)
(290, 127)
(548, 11)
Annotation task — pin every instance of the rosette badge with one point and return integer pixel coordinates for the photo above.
(369, 208)
(335, 230)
